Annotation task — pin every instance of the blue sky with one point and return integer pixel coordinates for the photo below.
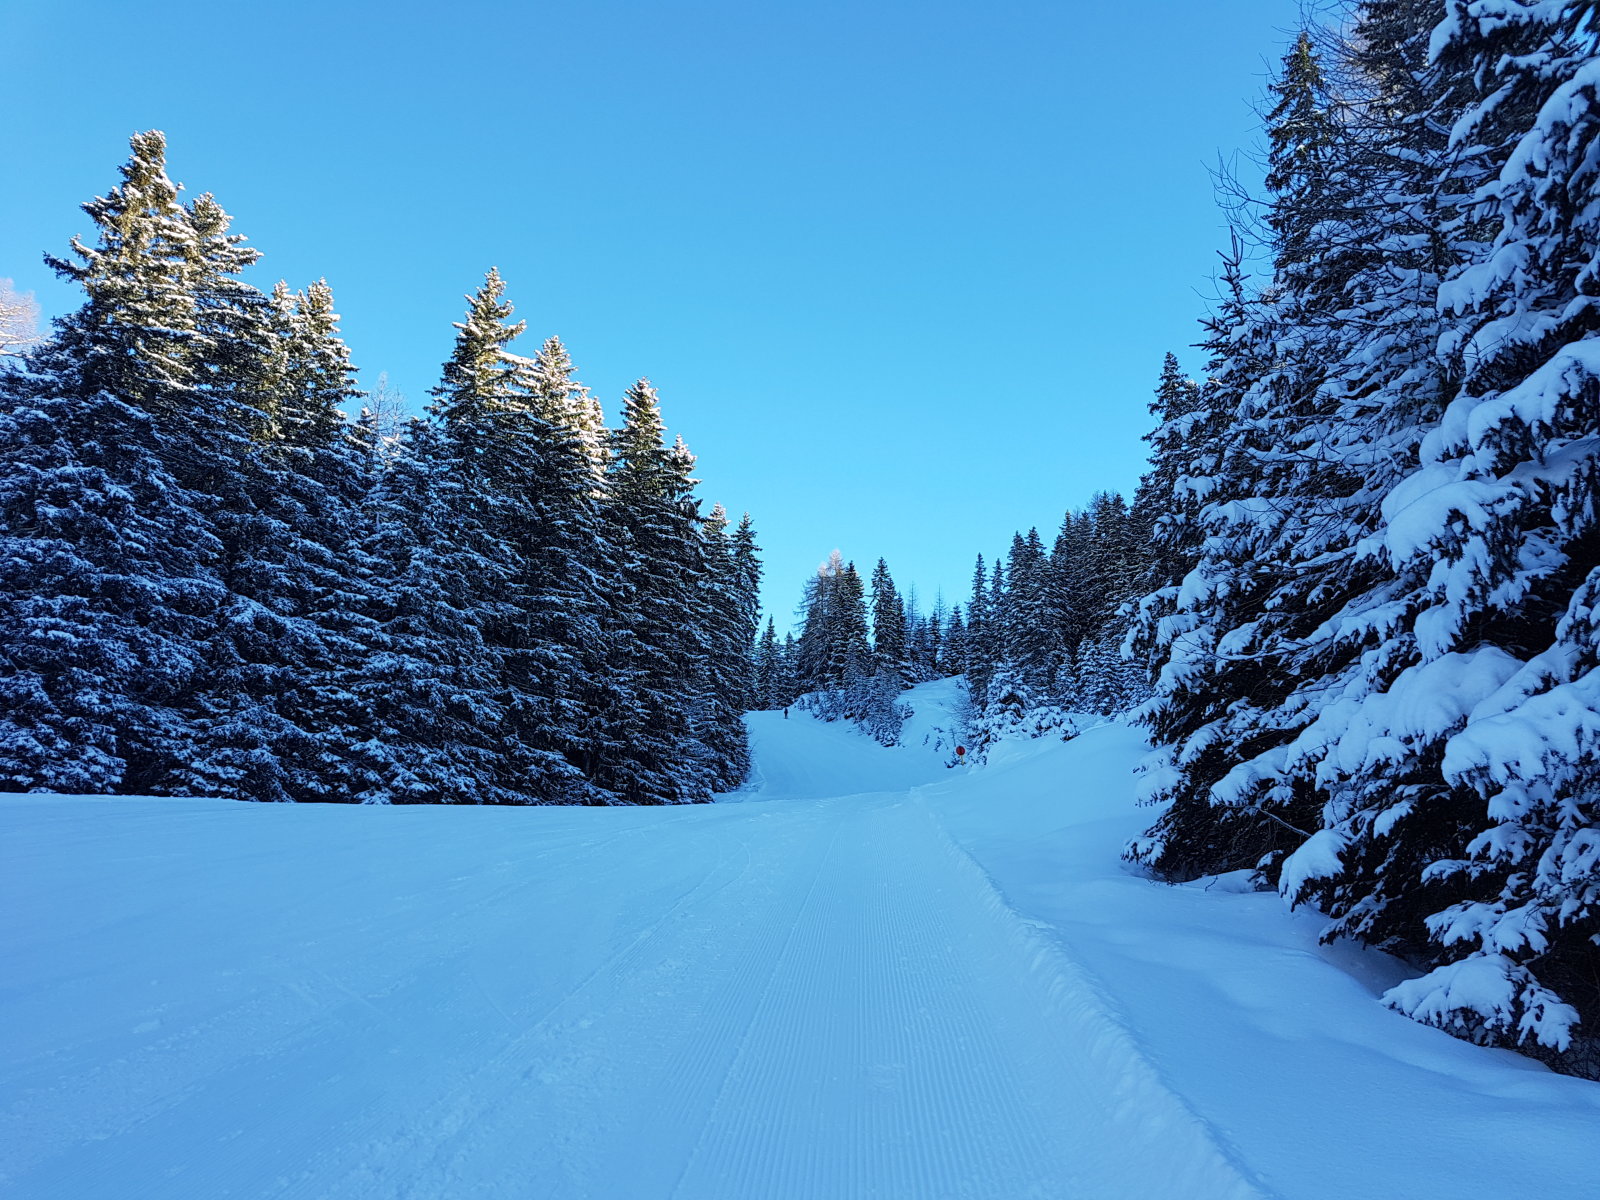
(902, 272)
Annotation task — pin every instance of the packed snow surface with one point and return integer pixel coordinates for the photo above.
(874, 977)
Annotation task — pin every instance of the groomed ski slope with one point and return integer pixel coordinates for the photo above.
(872, 977)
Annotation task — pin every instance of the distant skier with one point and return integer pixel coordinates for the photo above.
(786, 713)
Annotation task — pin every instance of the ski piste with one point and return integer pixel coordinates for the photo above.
(867, 975)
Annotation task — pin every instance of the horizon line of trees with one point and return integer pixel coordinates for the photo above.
(213, 583)
(1040, 631)
(857, 649)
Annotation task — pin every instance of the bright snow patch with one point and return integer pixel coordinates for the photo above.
(890, 979)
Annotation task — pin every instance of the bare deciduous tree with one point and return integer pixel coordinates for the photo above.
(19, 320)
(388, 408)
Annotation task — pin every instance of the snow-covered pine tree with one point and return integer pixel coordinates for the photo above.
(924, 638)
(271, 716)
(849, 646)
(107, 573)
(834, 633)
(746, 583)
(1171, 536)
(1032, 645)
(788, 675)
(569, 567)
(429, 696)
(1276, 502)
(1356, 317)
(516, 471)
(980, 656)
(652, 622)
(553, 378)
(953, 647)
(931, 644)
(727, 617)
(328, 469)
(888, 624)
(1184, 631)
(770, 691)
(1463, 829)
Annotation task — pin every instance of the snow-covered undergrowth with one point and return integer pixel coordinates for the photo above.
(875, 976)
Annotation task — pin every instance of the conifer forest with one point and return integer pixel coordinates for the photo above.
(1316, 701)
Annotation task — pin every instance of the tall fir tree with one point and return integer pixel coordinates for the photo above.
(888, 624)
(654, 522)
(108, 579)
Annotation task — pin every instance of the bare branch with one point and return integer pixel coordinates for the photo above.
(19, 320)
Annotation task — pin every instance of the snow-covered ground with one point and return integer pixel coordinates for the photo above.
(873, 977)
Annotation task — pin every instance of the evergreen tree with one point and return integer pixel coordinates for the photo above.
(1162, 515)
(1470, 845)
(745, 581)
(770, 670)
(568, 568)
(272, 715)
(1033, 645)
(654, 522)
(107, 579)
(524, 477)
(953, 649)
(980, 637)
(430, 695)
(728, 615)
(833, 641)
(888, 624)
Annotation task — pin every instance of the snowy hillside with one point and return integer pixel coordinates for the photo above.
(874, 976)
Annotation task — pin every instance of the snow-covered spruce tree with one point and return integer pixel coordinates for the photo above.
(569, 568)
(1287, 509)
(1031, 640)
(840, 673)
(330, 468)
(788, 674)
(770, 692)
(1480, 854)
(1325, 427)
(1095, 568)
(980, 637)
(1344, 618)
(953, 646)
(870, 697)
(107, 573)
(745, 582)
(272, 720)
(1201, 672)
(888, 624)
(1170, 535)
(652, 626)
(553, 378)
(924, 639)
(1066, 601)
(834, 637)
(728, 600)
(527, 481)
(429, 694)
(999, 613)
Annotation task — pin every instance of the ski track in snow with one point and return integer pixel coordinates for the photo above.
(823, 995)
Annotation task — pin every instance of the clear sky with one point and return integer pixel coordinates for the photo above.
(902, 272)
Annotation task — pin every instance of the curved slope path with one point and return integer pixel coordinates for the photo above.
(821, 997)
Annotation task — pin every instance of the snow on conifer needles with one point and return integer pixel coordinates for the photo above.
(213, 584)
(1373, 640)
